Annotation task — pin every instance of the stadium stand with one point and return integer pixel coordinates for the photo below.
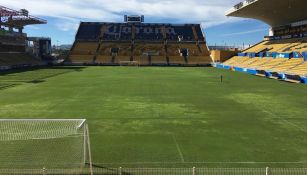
(282, 55)
(83, 52)
(288, 64)
(141, 43)
(300, 70)
(258, 62)
(15, 60)
(285, 45)
(175, 54)
(153, 53)
(13, 44)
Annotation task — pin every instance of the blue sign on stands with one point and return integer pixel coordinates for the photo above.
(282, 55)
(286, 37)
(305, 56)
(305, 34)
(260, 54)
(274, 54)
(296, 55)
(241, 54)
(251, 54)
(268, 54)
(295, 36)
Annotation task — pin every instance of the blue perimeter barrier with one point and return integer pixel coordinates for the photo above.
(252, 71)
(304, 80)
(281, 76)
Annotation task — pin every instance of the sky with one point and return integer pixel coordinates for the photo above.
(64, 16)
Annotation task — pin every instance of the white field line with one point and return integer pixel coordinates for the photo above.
(293, 124)
(178, 148)
(128, 163)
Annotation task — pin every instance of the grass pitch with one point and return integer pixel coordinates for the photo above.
(167, 116)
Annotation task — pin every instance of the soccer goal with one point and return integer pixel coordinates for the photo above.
(45, 143)
(129, 63)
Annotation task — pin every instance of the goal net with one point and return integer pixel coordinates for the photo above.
(50, 144)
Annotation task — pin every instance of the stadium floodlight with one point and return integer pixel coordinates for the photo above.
(45, 143)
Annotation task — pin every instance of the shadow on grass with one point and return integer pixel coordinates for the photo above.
(37, 81)
(22, 70)
(34, 75)
(7, 86)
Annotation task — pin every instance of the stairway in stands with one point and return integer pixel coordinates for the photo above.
(132, 51)
(102, 32)
(166, 51)
(97, 52)
(195, 33)
(186, 60)
(199, 48)
(149, 60)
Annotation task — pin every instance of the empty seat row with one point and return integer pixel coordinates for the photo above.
(286, 45)
(280, 65)
(18, 59)
(151, 53)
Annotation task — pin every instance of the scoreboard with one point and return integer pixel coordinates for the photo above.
(134, 19)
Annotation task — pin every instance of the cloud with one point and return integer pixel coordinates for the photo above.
(246, 32)
(34, 27)
(67, 25)
(208, 13)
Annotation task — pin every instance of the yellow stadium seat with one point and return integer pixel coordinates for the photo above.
(161, 60)
(286, 65)
(271, 64)
(300, 69)
(103, 59)
(81, 58)
(176, 60)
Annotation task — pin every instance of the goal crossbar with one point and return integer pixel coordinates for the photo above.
(83, 120)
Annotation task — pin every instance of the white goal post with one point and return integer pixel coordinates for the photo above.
(129, 63)
(45, 143)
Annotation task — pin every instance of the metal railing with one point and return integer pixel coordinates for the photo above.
(161, 171)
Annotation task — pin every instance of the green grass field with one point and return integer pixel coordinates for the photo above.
(169, 116)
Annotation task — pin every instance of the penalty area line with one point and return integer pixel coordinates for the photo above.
(178, 148)
(286, 121)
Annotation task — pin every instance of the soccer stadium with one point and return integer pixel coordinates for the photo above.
(133, 97)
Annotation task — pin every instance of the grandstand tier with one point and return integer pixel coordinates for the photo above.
(139, 31)
(14, 50)
(275, 58)
(280, 46)
(141, 43)
(287, 66)
(15, 60)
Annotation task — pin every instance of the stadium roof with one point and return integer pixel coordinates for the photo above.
(13, 18)
(273, 12)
